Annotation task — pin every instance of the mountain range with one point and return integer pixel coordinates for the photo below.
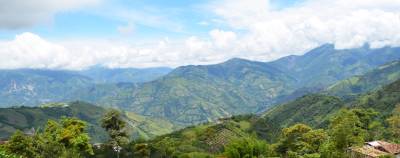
(193, 94)
(32, 87)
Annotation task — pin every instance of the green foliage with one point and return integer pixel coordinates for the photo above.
(300, 140)
(394, 124)
(114, 124)
(4, 154)
(196, 155)
(21, 145)
(141, 150)
(27, 118)
(345, 130)
(65, 139)
(248, 147)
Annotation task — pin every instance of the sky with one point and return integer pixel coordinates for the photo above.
(77, 34)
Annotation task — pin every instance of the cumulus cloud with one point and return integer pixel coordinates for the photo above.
(16, 14)
(271, 33)
(252, 29)
(28, 50)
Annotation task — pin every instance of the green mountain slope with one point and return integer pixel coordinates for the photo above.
(205, 138)
(316, 109)
(27, 118)
(313, 109)
(325, 65)
(383, 100)
(381, 76)
(194, 94)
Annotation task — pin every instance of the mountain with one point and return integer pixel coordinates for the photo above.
(383, 100)
(312, 109)
(316, 109)
(194, 94)
(212, 139)
(28, 118)
(326, 65)
(34, 87)
(116, 75)
(374, 79)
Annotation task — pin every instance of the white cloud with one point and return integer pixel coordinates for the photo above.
(269, 33)
(31, 51)
(16, 14)
(252, 30)
(223, 39)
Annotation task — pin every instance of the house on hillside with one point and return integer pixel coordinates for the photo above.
(375, 149)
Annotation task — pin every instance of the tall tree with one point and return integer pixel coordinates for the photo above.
(300, 140)
(114, 124)
(345, 130)
(394, 124)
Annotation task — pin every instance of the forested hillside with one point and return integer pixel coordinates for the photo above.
(372, 80)
(31, 119)
(194, 94)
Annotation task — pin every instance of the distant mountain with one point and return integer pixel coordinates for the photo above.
(326, 65)
(117, 75)
(33, 87)
(193, 94)
(374, 79)
(28, 118)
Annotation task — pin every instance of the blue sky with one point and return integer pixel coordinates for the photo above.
(76, 34)
(185, 18)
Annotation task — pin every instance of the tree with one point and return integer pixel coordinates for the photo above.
(345, 130)
(73, 135)
(300, 140)
(166, 147)
(369, 123)
(21, 144)
(313, 141)
(394, 124)
(4, 154)
(291, 139)
(66, 140)
(141, 150)
(113, 123)
(248, 147)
